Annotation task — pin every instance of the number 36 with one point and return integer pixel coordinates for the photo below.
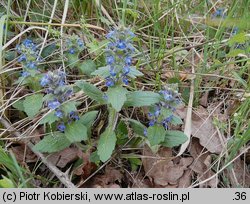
(240, 196)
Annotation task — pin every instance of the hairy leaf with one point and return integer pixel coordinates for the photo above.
(106, 144)
(93, 92)
(174, 138)
(117, 97)
(52, 143)
(156, 134)
(76, 131)
(32, 104)
(142, 98)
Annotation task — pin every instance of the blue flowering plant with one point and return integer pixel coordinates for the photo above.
(28, 57)
(63, 122)
(162, 117)
(219, 13)
(117, 74)
(74, 45)
(119, 53)
(57, 98)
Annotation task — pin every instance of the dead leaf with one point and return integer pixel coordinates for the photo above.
(86, 168)
(185, 180)
(24, 154)
(64, 157)
(204, 99)
(182, 76)
(203, 129)
(161, 169)
(108, 179)
(201, 164)
(239, 175)
(140, 181)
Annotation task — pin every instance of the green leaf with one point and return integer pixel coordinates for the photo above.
(134, 73)
(142, 98)
(49, 118)
(76, 132)
(18, 105)
(52, 143)
(102, 72)
(117, 97)
(48, 97)
(10, 55)
(176, 120)
(6, 183)
(135, 162)
(239, 38)
(93, 92)
(137, 127)
(32, 104)
(156, 134)
(240, 79)
(121, 133)
(174, 138)
(166, 112)
(72, 60)
(48, 50)
(87, 67)
(106, 144)
(96, 46)
(88, 118)
(235, 52)
(94, 157)
(68, 106)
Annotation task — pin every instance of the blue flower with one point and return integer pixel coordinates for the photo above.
(72, 51)
(126, 70)
(150, 114)
(105, 97)
(128, 60)
(61, 127)
(25, 74)
(145, 131)
(157, 112)
(152, 122)
(59, 113)
(109, 82)
(22, 58)
(80, 43)
(61, 82)
(45, 80)
(112, 72)
(130, 33)
(53, 104)
(235, 30)
(121, 45)
(74, 115)
(31, 65)
(168, 95)
(125, 80)
(220, 12)
(110, 34)
(110, 59)
(165, 125)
